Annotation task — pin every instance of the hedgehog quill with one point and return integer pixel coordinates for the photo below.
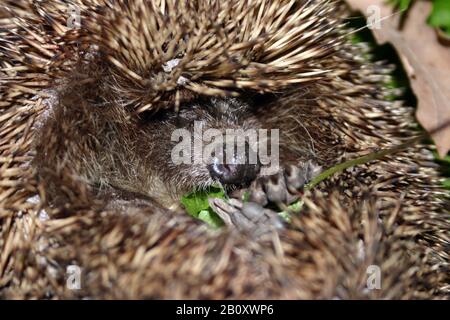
(88, 178)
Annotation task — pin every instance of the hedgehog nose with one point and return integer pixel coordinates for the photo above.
(233, 173)
(237, 171)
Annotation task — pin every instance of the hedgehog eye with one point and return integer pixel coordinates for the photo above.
(260, 101)
(155, 115)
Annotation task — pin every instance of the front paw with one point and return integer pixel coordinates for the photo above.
(285, 187)
(254, 216)
(248, 217)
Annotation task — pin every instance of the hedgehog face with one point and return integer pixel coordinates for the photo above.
(165, 154)
(199, 144)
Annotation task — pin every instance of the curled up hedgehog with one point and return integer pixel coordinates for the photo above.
(92, 92)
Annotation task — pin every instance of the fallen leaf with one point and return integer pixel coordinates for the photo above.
(425, 60)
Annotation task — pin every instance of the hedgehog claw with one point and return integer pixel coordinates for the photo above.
(257, 193)
(276, 188)
(283, 187)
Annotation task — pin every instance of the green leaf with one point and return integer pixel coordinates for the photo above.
(446, 184)
(401, 4)
(246, 197)
(295, 208)
(196, 204)
(404, 4)
(440, 15)
(211, 218)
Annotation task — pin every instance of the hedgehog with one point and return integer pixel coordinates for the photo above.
(91, 93)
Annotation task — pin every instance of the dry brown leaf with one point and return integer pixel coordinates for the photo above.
(426, 62)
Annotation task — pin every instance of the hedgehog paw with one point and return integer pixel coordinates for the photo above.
(285, 186)
(248, 217)
(282, 189)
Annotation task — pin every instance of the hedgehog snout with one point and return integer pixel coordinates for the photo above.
(240, 169)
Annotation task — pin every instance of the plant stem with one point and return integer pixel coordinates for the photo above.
(362, 160)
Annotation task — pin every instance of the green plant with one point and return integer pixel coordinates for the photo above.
(401, 4)
(196, 204)
(439, 17)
